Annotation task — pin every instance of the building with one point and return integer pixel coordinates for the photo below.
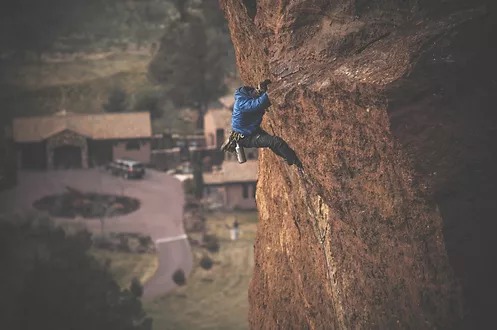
(217, 127)
(217, 123)
(67, 140)
(233, 187)
(227, 101)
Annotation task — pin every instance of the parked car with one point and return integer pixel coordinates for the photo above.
(126, 168)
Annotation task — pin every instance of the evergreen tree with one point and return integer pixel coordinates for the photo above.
(117, 101)
(49, 281)
(191, 62)
(149, 101)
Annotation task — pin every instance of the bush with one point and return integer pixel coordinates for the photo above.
(211, 243)
(149, 100)
(123, 245)
(71, 292)
(145, 240)
(117, 101)
(179, 277)
(136, 287)
(189, 187)
(103, 242)
(206, 262)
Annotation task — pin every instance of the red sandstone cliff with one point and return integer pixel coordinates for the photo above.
(361, 245)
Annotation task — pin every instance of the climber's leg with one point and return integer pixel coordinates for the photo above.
(261, 139)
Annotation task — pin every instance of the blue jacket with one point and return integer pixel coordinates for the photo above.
(248, 111)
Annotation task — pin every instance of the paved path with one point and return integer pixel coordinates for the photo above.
(160, 214)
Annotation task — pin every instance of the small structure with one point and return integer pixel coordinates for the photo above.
(217, 122)
(227, 101)
(233, 186)
(69, 140)
(217, 126)
(235, 230)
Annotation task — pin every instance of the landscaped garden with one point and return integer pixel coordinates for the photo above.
(74, 203)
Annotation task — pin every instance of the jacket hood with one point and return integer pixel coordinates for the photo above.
(244, 91)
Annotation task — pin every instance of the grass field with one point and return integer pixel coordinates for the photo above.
(125, 266)
(215, 298)
(34, 76)
(80, 85)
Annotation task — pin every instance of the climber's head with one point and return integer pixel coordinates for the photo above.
(249, 90)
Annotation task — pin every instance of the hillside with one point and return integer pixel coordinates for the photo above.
(76, 84)
(389, 106)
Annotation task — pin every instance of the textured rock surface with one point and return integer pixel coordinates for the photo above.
(361, 244)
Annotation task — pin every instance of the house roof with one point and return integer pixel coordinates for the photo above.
(232, 172)
(221, 117)
(96, 126)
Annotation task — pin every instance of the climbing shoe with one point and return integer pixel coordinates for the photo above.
(295, 162)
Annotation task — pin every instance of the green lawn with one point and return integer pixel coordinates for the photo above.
(215, 298)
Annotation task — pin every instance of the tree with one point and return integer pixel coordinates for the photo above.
(198, 180)
(191, 61)
(136, 288)
(77, 24)
(149, 101)
(117, 101)
(49, 281)
(39, 24)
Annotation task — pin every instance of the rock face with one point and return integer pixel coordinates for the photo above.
(358, 90)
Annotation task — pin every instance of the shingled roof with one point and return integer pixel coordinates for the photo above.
(232, 172)
(95, 126)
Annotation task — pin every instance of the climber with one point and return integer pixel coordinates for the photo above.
(249, 108)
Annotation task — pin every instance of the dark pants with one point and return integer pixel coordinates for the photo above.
(261, 139)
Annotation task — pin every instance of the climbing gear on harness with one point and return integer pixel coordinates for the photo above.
(230, 144)
(240, 154)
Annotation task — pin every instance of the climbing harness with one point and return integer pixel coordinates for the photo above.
(230, 144)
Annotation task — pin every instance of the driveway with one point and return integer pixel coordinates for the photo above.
(160, 214)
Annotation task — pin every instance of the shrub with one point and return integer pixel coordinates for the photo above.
(206, 262)
(136, 287)
(179, 277)
(117, 101)
(189, 187)
(145, 241)
(123, 245)
(103, 242)
(149, 100)
(211, 243)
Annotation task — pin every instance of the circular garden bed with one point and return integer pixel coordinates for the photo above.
(86, 205)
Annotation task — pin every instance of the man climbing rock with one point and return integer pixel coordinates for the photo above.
(249, 108)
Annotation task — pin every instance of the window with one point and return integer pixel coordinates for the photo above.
(245, 190)
(133, 145)
(253, 191)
